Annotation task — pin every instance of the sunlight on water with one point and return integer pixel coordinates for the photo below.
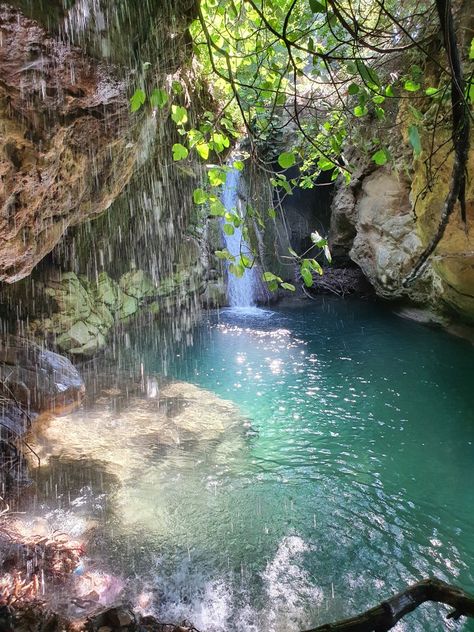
(294, 467)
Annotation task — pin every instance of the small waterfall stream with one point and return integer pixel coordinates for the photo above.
(241, 291)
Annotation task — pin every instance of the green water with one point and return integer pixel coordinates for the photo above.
(349, 474)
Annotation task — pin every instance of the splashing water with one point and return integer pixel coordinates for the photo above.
(241, 291)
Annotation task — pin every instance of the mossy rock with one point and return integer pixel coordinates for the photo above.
(70, 296)
(82, 338)
(138, 284)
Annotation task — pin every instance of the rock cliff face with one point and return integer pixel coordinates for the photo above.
(67, 150)
(384, 219)
(387, 216)
(70, 142)
(73, 152)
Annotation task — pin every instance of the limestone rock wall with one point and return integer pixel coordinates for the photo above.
(387, 215)
(385, 218)
(77, 314)
(66, 141)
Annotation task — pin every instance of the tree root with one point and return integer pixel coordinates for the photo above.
(386, 615)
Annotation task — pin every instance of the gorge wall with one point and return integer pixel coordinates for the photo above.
(73, 152)
(387, 215)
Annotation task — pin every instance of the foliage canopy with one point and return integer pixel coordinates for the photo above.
(304, 77)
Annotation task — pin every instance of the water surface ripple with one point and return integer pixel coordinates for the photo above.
(342, 470)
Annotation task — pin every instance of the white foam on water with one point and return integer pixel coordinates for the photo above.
(289, 587)
(220, 605)
(250, 310)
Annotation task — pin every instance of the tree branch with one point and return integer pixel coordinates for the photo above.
(386, 615)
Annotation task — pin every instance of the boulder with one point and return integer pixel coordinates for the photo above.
(37, 379)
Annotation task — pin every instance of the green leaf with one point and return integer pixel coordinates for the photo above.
(317, 6)
(380, 157)
(217, 208)
(216, 176)
(471, 49)
(325, 165)
(360, 110)
(219, 142)
(158, 98)
(369, 76)
(269, 276)
(224, 254)
(314, 265)
(199, 196)
(237, 269)
(288, 286)
(271, 213)
(203, 150)
(287, 159)
(417, 115)
(282, 182)
(179, 152)
(293, 253)
(378, 98)
(411, 86)
(470, 91)
(414, 138)
(353, 88)
(431, 91)
(238, 164)
(179, 114)
(228, 229)
(137, 100)
(307, 276)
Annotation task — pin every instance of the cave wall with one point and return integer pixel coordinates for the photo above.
(97, 223)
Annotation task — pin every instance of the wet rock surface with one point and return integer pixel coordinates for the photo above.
(66, 133)
(127, 420)
(39, 380)
(77, 315)
(33, 381)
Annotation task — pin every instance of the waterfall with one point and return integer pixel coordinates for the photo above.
(241, 291)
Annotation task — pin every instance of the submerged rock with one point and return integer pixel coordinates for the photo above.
(126, 422)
